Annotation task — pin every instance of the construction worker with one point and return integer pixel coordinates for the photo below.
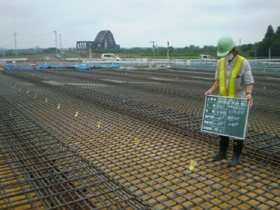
(233, 78)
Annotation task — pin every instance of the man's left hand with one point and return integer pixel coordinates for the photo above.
(249, 97)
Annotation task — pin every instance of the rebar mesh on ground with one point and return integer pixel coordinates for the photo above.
(158, 167)
(167, 114)
(40, 172)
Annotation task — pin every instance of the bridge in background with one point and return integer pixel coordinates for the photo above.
(103, 40)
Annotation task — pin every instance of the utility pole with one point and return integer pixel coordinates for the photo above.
(154, 50)
(255, 53)
(89, 52)
(168, 50)
(60, 42)
(55, 43)
(15, 41)
(168, 54)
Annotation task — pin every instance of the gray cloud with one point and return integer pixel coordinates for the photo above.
(181, 22)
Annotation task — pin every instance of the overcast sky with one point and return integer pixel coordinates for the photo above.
(135, 23)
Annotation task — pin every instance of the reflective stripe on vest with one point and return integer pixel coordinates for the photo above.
(231, 91)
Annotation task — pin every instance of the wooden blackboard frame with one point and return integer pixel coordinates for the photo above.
(225, 116)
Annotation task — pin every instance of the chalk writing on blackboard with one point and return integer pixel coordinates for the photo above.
(225, 116)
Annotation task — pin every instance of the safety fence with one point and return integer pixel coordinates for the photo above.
(258, 65)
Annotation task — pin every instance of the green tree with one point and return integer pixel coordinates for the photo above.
(246, 47)
(50, 50)
(10, 53)
(276, 43)
(267, 42)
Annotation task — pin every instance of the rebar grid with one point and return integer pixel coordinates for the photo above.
(174, 117)
(156, 169)
(261, 118)
(39, 172)
(177, 83)
(190, 79)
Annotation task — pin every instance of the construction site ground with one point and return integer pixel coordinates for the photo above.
(114, 139)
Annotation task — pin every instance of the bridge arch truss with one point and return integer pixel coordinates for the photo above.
(104, 40)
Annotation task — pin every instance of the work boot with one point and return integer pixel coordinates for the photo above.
(237, 150)
(222, 154)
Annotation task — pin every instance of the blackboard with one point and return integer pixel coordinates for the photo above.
(225, 116)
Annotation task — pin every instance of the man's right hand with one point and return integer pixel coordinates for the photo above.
(208, 92)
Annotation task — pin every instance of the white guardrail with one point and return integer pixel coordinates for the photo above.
(260, 65)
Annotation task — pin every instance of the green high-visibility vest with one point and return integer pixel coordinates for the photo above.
(231, 90)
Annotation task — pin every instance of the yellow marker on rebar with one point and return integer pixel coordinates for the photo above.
(27, 91)
(58, 106)
(46, 78)
(193, 164)
(35, 95)
(46, 100)
(98, 124)
(76, 115)
(136, 141)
